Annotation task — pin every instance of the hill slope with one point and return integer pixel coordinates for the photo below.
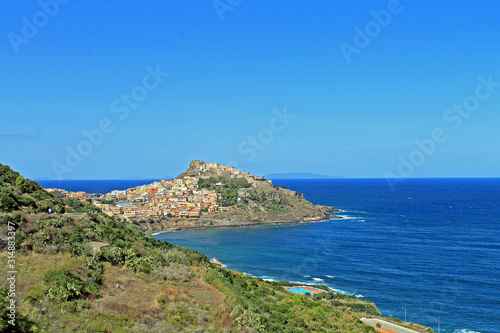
(18, 193)
(92, 273)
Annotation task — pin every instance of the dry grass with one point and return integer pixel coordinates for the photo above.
(203, 293)
(139, 304)
(31, 268)
(135, 297)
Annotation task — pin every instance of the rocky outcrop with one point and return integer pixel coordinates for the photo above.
(260, 203)
(201, 169)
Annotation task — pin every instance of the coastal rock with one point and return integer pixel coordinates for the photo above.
(260, 203)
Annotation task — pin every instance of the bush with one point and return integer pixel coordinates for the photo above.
(65, 285)
(26, 201)
(7, 175)
(21, 323)
(370, 308)
(173, 272)
(8, 200)
(35, 295)
(26, 185)
(228, 195)
(393, 319)
(76, 306)
(115, 255)
(176, 256)
(78, 206)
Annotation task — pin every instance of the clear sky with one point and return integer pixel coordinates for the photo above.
(332, 87)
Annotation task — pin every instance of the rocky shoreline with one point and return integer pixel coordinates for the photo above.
(243, 200)
(167, 225)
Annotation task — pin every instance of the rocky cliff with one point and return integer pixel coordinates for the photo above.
(259, 202)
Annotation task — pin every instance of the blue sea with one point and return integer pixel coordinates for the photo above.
(432, 246)
(95, 186)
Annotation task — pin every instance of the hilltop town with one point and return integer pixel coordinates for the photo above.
(172, 198)
(207, 194)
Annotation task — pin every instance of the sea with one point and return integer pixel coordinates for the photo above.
(429, 249)
(101, 186)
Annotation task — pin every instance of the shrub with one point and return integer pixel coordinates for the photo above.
(8, 200)
(21, 323)
(7, 175)
(65, 285)
(394, 319)
(173, 272)
(115, 255)
(370, 308)
(176, 256)
(26, 200)
(5, 219)
(26, 185)
(35, 294)
(76, 306)
(144, 267)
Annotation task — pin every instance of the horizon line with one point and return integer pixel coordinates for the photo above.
(310, 178)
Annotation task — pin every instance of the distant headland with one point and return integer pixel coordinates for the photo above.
(205, 195)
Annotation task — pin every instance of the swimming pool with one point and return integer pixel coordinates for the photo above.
(301, 290)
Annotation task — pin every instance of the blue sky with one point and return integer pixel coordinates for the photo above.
(265, 85)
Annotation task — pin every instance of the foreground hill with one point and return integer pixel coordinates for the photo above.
(91, 273)
(18, 193)
(95, 274)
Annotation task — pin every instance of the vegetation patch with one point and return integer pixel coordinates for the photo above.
(91, 273)
(227, 189)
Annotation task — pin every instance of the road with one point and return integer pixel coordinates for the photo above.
(386, 325)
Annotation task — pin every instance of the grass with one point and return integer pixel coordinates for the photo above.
(211, 299)
(267, 307)
(139, 303)
(139, 284)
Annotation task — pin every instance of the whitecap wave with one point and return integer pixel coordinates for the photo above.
(340, 291)
(464, 330)
(347, 217)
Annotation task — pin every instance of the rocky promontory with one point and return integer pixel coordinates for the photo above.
(245, 200)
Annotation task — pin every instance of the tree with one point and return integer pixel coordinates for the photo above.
(8, 200)
(7, 175)
(26, 185)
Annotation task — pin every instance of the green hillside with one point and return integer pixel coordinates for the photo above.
(19, 193)
(91, 273)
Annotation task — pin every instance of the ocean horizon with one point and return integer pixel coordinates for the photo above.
(102, 186)
(432, 245)
(107, 185)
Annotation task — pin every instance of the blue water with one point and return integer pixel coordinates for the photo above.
(95, 186)
(300, 290)
(433, 245)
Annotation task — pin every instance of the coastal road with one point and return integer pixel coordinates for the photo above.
(386, 325)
